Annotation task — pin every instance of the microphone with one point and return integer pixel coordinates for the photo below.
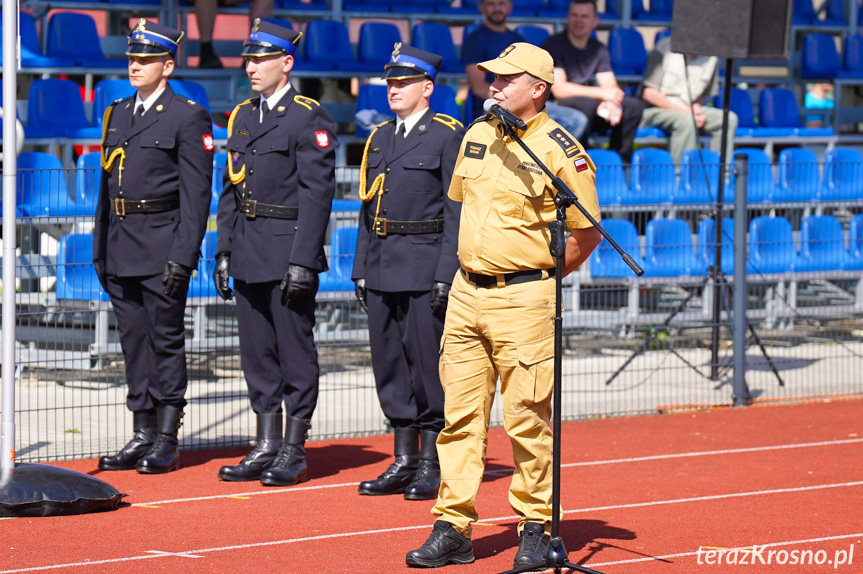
(503, 114)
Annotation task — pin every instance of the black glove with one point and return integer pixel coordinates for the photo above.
(221, 274)
(99, 266)
(298, 281)
(176, 279)
(360, 292)
(439, 295)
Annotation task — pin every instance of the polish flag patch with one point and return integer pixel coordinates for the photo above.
(323, 139)
(208, 141)
(580, 164)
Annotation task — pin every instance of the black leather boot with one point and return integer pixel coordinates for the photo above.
(262, 456)
(289, 467)
(398, 476)
(532, 547)
(426, 480)
(163, 456)
(144, 425)
(444, 546)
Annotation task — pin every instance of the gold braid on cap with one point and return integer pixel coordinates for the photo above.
(108, 162)
(236, 178)
(377, 187)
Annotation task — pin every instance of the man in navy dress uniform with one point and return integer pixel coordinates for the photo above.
(154, 199)
(404, 266)
(273, 214)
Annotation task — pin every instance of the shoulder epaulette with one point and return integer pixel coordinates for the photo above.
(448, 121)
(565, 141)
(117, 101)
(306, 102)
(482, 118)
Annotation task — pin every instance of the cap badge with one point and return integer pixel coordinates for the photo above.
(141, 27)
(256, 25)
(396, 51)
(507, 50)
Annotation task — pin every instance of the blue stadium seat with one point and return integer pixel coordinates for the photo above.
(533, 34)
(436, 38)
(220, 164)
(628, 56)
(822, 245)
(855, 243)
(196, 92)
(612, 12)
(707, 244)
(417, 6)
(375, 45)
(669, 248)
(843, 175)
(74, 36)
(31, 52)
(660, 10)
(342, 252)
(741, 104)
(468, 7)
(610, 177)
(528, 8)
(605, 261)
(373, 97)
(328, 47)
(699, 177)
(836, 12)
(760, 183)
(819, 58)
(41, 186)
(804, 14)
(799, 178)
(852, 57)
(614, 7)
(88, 175)
(201, 284)
(76, 278)
(55, 109)
(297, 5)
(366, 5)
(660, 34)
(653, 179)
(778, 109)
(442, 101)
(105, 93)
(771, 245)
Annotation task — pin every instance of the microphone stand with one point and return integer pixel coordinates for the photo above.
(556, 556)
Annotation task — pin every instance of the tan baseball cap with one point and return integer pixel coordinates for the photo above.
(521, 57)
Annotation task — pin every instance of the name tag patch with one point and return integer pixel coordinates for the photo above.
(474, 150)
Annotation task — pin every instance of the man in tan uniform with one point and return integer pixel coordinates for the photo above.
(500, 319)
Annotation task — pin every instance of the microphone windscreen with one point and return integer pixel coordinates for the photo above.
(486, 105)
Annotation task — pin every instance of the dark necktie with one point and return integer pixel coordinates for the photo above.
(399, 137)
(265, 108)
(139, 111)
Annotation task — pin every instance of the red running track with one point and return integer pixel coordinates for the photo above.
(657, 494)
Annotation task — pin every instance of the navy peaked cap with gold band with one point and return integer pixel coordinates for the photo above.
(152, 39)
(408, 62)
(271, 37)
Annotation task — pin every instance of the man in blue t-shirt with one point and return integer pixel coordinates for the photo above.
(486, 43)
(584, 80)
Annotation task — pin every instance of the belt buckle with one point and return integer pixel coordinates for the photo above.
(250, 207)
(120, 206)
(381, 227)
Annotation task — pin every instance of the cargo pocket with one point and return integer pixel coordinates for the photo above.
(537, 369)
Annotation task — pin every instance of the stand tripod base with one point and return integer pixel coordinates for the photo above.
(556, 559)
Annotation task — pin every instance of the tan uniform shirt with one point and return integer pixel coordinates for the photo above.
(667, 72)
(507, 200)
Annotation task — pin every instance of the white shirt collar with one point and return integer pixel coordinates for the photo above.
(273, 100)
(148, 103)
(410, 121)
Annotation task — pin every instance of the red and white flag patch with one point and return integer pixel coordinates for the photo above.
(208, 141)
(580, 164)
(323, 139)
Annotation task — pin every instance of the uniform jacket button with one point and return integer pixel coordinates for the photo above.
(387, 170)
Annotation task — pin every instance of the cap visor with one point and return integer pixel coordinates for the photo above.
(256, 51)
(499, 67)
(403, 73)
(146, 50)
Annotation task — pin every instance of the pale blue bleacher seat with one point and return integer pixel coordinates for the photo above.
(707, 244)
(41, 187)
(669, 249)
(843, 175)
(55, 109)
(443, 101)
(778, 109)
(533, 34)
(220, 164)
(375, 45)
(852, 57)
(610, 178)
(326, 47)
(106, 92)
(819, 58)
(652, 179)
(31, 51)
(799, 177)
(855, 243)
(822, 245)
(605, 261)
(436, 38)
(628, 56)
(760, 183)
(76, 278)
(74, 36)
(771, 245)
(341, 259)
(88, 177)
(699, 177)
(194, 91)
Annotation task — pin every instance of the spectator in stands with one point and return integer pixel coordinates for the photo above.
(580, 61)
(272, 219)
(205, 14)
(676, 88)
(404, 265)
(151, 215)
(489, 40)
(819, 97)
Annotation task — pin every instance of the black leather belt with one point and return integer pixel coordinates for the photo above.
(123, 207)
(254, 209)
(384, 227)
(508, 278)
